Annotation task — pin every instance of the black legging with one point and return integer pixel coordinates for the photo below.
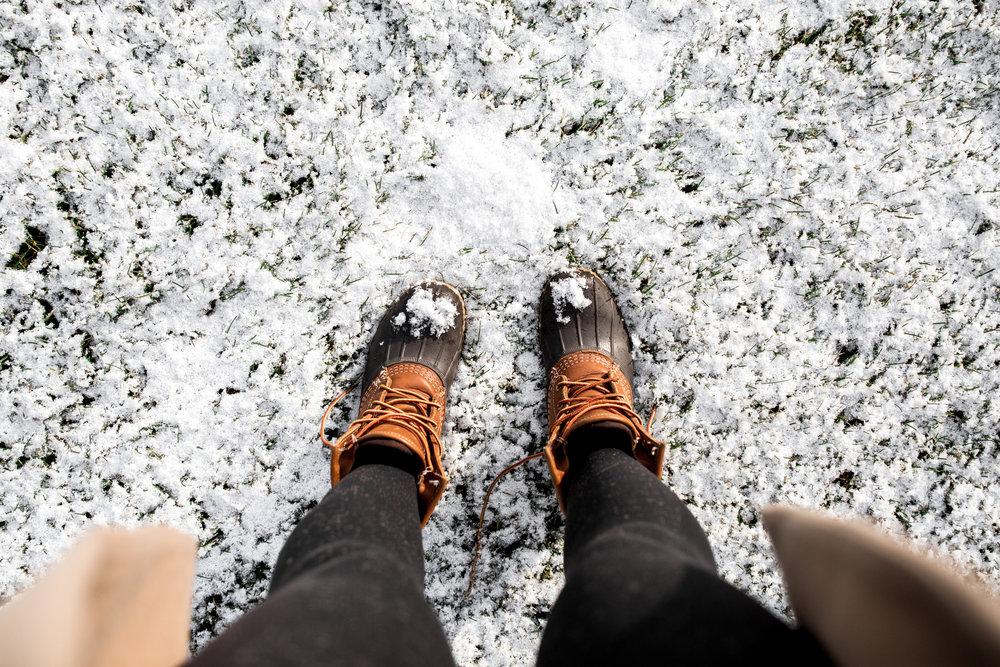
(641, 586)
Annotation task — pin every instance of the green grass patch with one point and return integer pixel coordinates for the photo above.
(34, 242)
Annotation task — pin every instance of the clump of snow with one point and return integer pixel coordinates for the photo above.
(426, 314)
(568, 291)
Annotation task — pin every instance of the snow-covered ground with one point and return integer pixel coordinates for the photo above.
(205, 208)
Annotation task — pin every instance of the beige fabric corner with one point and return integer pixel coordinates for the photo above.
(117, 598)
(871, 602)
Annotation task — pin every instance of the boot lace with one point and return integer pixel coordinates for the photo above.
(581, 399)
(406, 408)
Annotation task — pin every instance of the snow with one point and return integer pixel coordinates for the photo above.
(426, 314)
(796, 205)
(568, 292)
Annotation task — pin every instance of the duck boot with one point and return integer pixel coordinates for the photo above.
(588, 357)
(411, 362)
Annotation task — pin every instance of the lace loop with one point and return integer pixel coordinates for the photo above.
(576, 404)
(389, 410)
(482, 517)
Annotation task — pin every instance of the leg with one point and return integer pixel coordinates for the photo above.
(376, 509)
(641, 586)
(348, 585)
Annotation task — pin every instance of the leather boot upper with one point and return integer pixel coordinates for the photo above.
(407, 373)
(588, 354)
